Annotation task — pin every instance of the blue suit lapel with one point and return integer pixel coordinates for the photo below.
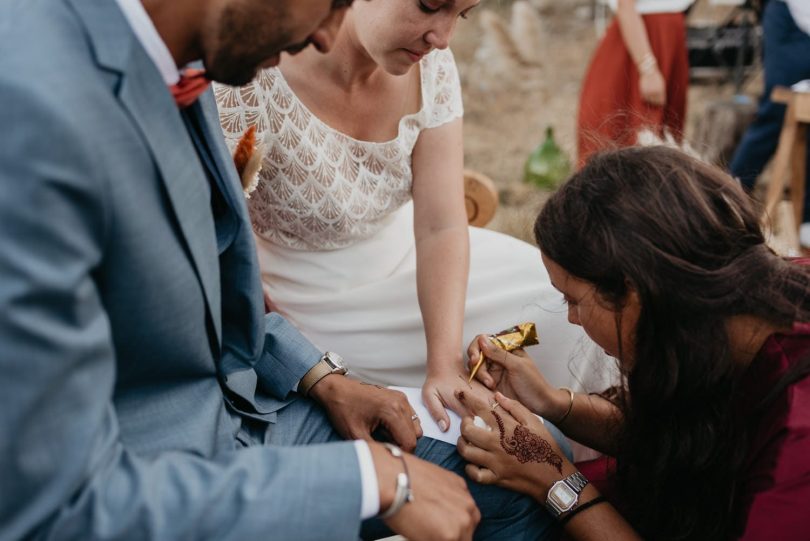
(143, 94)
(185, 181)
(218, 162)
(229, 181)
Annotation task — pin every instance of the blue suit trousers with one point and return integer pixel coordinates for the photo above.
(505, 515)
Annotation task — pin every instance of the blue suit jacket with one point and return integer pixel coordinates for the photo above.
(130, 313)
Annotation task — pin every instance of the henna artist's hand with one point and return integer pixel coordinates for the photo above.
(516, 376)
(515, 451)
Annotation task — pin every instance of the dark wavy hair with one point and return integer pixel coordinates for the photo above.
(687, 239)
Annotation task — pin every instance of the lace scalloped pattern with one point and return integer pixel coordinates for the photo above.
(320, 189)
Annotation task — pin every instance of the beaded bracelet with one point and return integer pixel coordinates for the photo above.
(583, 507)
(403, 494)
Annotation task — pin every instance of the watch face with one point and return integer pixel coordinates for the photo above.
(562, 496)
(335, 360)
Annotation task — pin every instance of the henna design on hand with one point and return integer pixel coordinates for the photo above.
(527, 446)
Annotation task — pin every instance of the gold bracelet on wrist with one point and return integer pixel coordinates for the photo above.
(570, 406)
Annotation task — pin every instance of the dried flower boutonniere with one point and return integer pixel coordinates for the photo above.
(247, 157)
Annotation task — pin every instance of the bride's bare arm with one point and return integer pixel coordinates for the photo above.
(442, 259)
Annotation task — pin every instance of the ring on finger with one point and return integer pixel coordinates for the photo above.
(494, 406)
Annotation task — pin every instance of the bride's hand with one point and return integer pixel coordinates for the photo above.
(515, 375)
(438, 394)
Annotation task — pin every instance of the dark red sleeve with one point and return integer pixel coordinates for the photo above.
(780, 479)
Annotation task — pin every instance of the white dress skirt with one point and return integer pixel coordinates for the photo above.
(361, 302)
(333, 220)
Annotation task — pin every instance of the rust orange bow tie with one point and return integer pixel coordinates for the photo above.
(192, 83)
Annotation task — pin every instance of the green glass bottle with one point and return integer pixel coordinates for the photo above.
(547, 166)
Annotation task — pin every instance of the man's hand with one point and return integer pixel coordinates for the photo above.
(358, 409)
(442, 507)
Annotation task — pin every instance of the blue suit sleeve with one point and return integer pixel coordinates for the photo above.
(287, 356)
(65, 472)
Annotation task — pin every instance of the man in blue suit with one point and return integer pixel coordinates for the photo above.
(145, 394)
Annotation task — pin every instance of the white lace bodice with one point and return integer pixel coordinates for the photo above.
(320, 189)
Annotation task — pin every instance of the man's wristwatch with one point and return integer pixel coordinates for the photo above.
(330, 363)
(563, 496)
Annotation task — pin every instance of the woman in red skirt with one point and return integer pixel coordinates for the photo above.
(638, 77)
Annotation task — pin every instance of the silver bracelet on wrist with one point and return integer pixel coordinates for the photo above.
(403, 494)
(647, 64)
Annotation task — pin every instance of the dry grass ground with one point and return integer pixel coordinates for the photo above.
(507, 109)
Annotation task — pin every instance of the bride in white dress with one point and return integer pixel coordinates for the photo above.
(359, 214)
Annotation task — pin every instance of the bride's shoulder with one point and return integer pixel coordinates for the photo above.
(438, 60)
(252, 104)
(439, 70)
(441, 87)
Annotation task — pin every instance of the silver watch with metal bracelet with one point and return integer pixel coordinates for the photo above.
(563, 496)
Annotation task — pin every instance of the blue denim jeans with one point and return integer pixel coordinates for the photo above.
(786, 51)
(505, 515)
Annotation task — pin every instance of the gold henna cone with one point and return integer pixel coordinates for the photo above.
(510, 339)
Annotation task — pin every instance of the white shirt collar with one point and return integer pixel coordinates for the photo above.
(149, 38)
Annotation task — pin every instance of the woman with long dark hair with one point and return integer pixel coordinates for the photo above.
(662, 261)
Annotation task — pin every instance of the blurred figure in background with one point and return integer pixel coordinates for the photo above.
(786, 51)
(637, 78)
